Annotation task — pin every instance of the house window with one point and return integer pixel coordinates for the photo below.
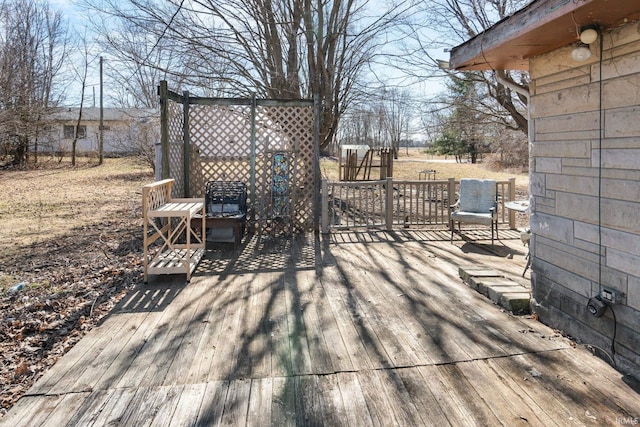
(68, 131)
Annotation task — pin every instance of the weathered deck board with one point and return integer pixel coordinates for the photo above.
(355, 400)
(171, 330)
(166, 403)
(260, 402)
(377, 402)
(423, 398)
(499, 397)
(319, 349)
(223, 363)
(298, 342)
(357, 329)
(212, 405)
(355, 344)
(201, 367)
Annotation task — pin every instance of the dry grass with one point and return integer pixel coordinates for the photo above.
(50, 201)
(56, 205)
(407, 167)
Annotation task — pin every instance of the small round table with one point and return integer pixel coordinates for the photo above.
(517, 205)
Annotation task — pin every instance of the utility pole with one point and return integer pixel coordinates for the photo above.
(101, 131)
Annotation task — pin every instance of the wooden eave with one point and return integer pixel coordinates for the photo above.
(540, 27)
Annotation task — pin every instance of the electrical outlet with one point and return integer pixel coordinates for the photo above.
(596, 307)
(610, 296)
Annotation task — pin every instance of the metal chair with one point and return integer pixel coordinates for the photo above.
(477, 204)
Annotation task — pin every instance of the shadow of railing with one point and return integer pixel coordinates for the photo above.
(153, 296)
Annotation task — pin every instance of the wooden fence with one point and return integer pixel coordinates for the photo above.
(408, 204)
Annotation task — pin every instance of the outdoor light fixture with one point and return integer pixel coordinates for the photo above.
(581, 52)
(587, 36)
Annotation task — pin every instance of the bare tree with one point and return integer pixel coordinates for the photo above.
(277, 49)
(81, 73)
(33, 48)
(439, 25)
(136, 64)
(365, 123)
(397, 115)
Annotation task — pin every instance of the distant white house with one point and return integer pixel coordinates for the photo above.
(125, 129)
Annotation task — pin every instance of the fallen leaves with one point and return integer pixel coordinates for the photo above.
(72, 276)
(40, 323)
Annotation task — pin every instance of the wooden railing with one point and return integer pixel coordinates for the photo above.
(368, 204)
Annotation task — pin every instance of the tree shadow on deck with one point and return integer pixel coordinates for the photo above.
(316, 329)
(365, 328)
(361, 293)
(456, 329)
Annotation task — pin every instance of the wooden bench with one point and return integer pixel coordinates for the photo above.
(168, 221)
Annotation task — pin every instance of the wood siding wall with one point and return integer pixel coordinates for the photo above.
(585, 187)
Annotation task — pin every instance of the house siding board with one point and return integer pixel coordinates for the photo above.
(558, 66)
(552, 226)
(572, 183)
(625, 158)
(537, 184)
(627, 340)
(611, 238)
(586, 198)
(623, 39)
(569, 123)
(578, 284)
(578, 166)
(557, 148)
(568, 253)
(624, 261)
(624, 69)
(577, 206)
(567, 312)
(574, 100)
(620, 215)
(633, 293)
(623, 122)
(549, 165)
(586, 236)
(570, 77)
(628, 89)
(559, 85)
(620, 189)
(613, 279)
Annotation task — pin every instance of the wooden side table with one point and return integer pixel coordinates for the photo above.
(168, 221)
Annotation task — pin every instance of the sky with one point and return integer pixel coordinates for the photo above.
(76, 17)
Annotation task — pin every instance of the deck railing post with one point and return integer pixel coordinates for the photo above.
(451, 199)
(186, 145)
(389, 204)
(163, 91)
(324, 208)
(512, 196)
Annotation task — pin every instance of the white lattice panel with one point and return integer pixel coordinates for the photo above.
(221, 149)
(176, 164)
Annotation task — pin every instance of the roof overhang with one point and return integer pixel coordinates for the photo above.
(540, 27)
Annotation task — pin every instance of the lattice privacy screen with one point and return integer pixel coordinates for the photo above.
(235, 141)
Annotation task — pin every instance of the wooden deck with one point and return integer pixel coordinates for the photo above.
(355, 329)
